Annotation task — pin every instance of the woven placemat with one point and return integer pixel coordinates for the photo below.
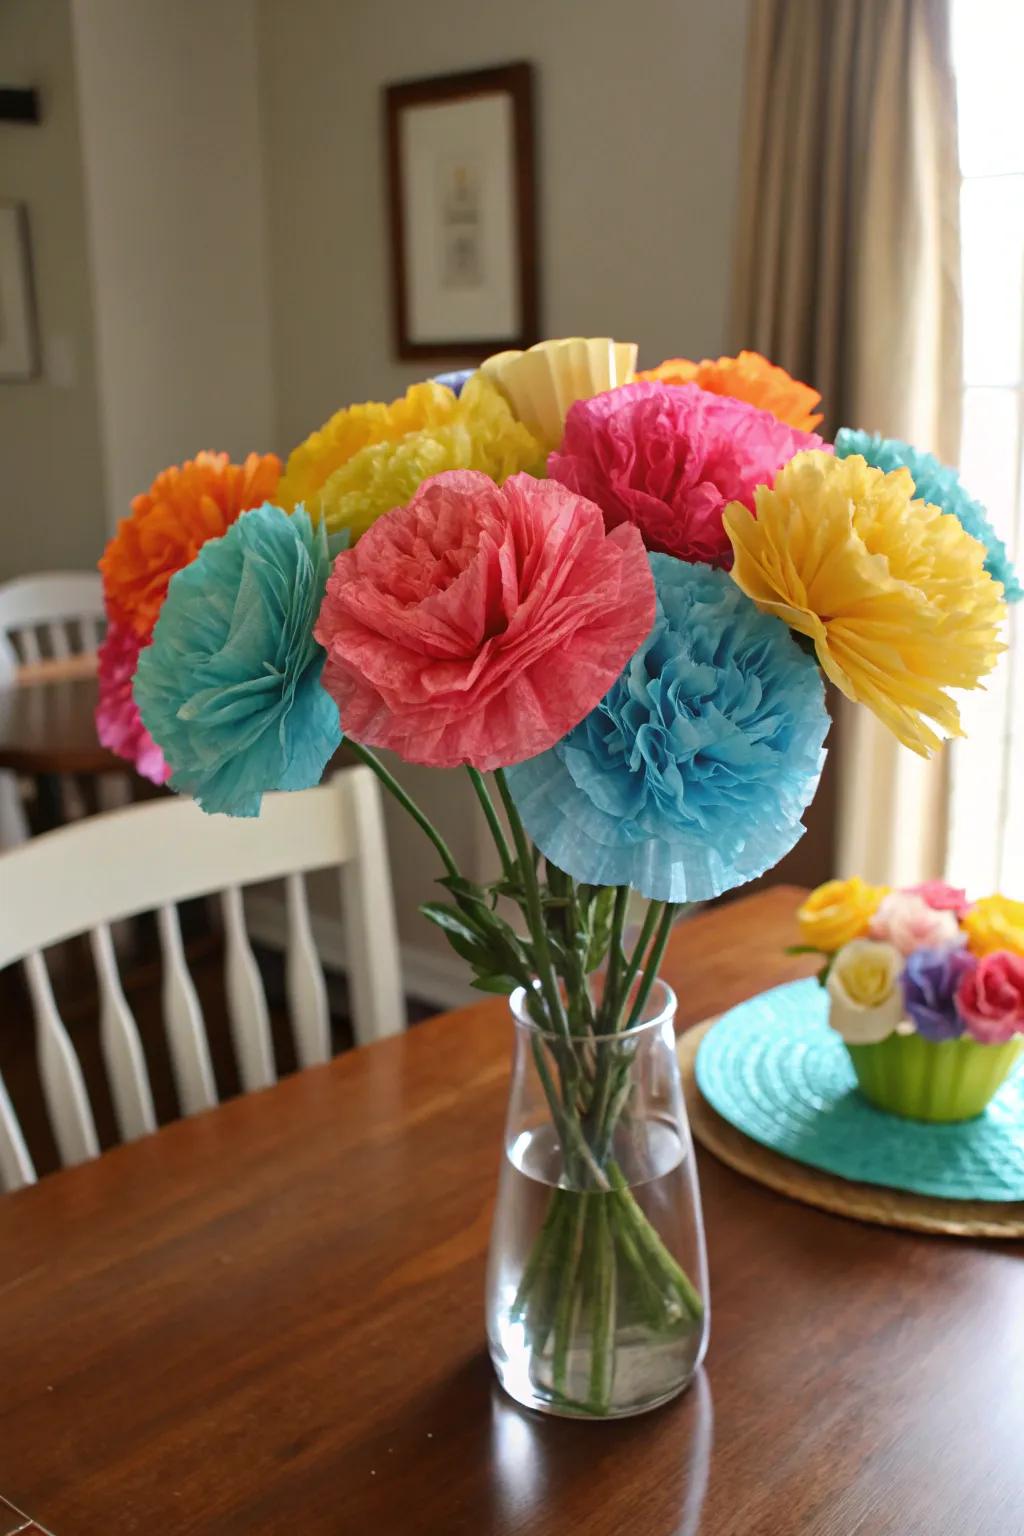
(843, 1197)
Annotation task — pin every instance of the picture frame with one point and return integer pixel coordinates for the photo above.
(19, 346)
(461, 203)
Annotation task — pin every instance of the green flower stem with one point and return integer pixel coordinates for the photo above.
(483, 795)
(654, 959)
(534, 910)
(654, 908)
(602, 1359)
(568, 1295)
(649, 1243)
(613, 994)
(406, 801)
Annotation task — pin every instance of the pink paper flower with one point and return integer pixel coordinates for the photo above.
(940, 896)
(117, 717)
(906, 920)
(669, 457)
(990, 998)
(480, 623)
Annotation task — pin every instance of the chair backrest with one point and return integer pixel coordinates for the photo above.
(59, 610)
(147, 857)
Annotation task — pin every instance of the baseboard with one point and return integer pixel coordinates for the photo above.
(427, 976)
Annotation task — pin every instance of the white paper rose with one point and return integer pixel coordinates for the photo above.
(865, 1002)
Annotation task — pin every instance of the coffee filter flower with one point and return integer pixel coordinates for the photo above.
(118, 723)
(748, 377)
(543, 382)
(691, 775)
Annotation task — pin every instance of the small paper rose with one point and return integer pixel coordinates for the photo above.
(908, 922)
(940, 896)
(480, 623)
(930, 982)
(991, 998)
(993, 923)
(837, 912)
(865, 1004)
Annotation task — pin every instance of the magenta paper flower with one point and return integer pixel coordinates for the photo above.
(940, 896)
(118, 723)
(669, 457)
(480, 623)
(990, 998)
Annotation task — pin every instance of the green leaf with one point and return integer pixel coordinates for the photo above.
(804, 949)
(501, 986)
(451, 920)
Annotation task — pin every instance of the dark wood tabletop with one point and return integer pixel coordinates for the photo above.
(269, 1319)
(47, 725)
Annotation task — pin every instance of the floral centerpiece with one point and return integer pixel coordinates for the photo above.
(620, 595)
(925, 988)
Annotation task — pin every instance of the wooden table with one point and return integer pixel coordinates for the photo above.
(268, 1319)
(47, 723)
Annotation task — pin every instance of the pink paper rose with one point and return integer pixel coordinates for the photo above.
(940, 896)
(118, 725)
(669, 457)
(480, 623)
(990, 998)
(906, 920)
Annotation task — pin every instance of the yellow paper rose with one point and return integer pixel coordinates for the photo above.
(838, 911)
(994, 922)
(892, 592)
(481, 434)
(865, 1003)
(424, 406)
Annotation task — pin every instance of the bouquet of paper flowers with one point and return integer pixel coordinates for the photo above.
(926, 989)
(618, 593)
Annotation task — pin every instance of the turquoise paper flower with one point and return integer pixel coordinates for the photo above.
(938, 484)
(230, 686)
(691, 775)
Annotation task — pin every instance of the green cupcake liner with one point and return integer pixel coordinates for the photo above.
(938, 1080)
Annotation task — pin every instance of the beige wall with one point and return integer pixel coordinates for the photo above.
(51, 501)
(169, 107)
(638, 128)
(638, 145)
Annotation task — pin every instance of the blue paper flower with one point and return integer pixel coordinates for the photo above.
(938, 484)
(230, 686)
(692, 773)
(455, 379)
(929, 982)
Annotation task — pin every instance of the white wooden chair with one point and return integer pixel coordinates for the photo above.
(147, 857)
(61, 611)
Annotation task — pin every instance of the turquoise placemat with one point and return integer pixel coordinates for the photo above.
(774, 1069)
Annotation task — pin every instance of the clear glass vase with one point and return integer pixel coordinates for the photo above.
(597, 1297)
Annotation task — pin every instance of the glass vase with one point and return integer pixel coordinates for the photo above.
(597, 1297)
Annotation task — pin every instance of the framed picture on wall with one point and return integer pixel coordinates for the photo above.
(19, 353)
(461, 202)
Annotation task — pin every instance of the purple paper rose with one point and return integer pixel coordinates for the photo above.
(930, 979)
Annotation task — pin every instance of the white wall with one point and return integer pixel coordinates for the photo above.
(638, 128)
(169, 115)
(51, 501)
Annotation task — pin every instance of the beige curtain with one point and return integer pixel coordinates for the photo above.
(848, 274)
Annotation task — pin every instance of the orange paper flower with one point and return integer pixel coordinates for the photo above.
(186, 505)
(749, 377)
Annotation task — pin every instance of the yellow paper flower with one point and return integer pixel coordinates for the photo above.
(481, 434)
(892, 592)
(543, 382)
(993, 923)
(837, 912)
(748, 377)
(427, 405)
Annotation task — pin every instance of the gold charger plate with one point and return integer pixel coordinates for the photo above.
(843, 1197)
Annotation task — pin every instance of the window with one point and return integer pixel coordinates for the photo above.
(986, 833)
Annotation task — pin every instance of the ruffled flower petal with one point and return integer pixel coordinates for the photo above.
(169, 524)
(938, 484)
(891, 591)
(480, 623)
(118, 723)
(691, 775)
(230, 686)
(668, 459)
(748, 377)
